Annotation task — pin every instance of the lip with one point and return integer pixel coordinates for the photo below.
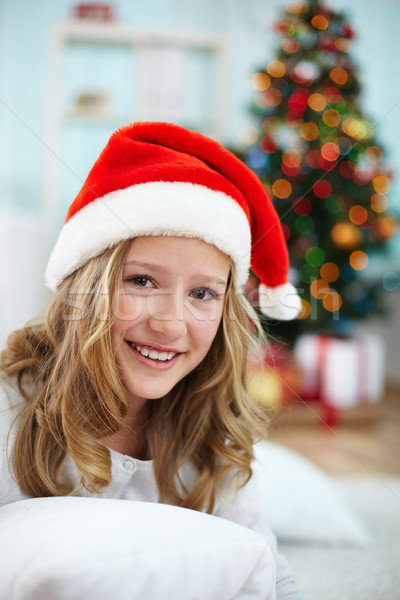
(149, 362)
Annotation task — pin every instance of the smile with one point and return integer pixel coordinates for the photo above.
(153, 354)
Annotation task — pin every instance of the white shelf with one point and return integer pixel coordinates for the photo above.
(91, 32)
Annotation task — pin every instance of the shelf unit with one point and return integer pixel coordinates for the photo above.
(114, 34)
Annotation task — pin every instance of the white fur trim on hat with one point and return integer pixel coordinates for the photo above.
(155, 208)
(281, 302)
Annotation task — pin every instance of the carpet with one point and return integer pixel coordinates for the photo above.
(355, 572)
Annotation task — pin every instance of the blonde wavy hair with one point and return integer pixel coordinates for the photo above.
(67, 374)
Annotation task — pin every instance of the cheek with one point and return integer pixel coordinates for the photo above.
(205, 330)
(127, 307)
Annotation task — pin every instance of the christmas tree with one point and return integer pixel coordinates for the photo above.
(316, 153)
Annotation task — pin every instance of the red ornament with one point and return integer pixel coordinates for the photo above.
(322, 188)
(290, 171)
(294, 119)
(327, 44)
(346, 169)
(302, 206)
(269, 144)
(347, 31)
(327, 165)
(298, 100)
(312, 158)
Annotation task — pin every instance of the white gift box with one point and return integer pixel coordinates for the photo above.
(342, 373)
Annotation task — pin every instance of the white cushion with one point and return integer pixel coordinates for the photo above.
(302, 502)
(97, 549)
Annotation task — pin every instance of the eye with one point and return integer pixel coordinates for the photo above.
(203, 294)
(141, 281)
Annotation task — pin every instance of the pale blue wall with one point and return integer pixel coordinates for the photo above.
(24, 43)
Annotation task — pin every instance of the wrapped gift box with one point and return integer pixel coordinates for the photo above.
(274, 375)
(341, 373)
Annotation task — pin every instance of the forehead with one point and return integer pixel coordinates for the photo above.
(178, 253)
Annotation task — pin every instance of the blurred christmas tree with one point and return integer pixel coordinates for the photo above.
(317, 155)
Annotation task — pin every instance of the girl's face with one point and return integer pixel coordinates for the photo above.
(167, 312)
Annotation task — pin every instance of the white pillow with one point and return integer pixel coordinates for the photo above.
(302, 503)
(97, 549)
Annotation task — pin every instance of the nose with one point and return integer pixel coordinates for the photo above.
(167, 314)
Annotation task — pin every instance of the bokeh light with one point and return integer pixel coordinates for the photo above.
(343, 44)
(276, 68)
(322, 188)
(298, 100)
(307, 273)
(358, 214)
(290, 45)
(315, 256)
(291, 158)
(345, 235)
(312, 158)
(304, 224)
(358, 260)
(317, 102)
(373, 154)
(272, 125)
(319, 288)
(381, 184)
(282, 188)
(294, 119)
(260, 81)
(386, 227)
(296, 8)
(329, 272)
(379, 203)
(305, 309)
(332, 301)
(331, 117)
(361, 176)
(272, 96)
(351, 127)
(309, 131)
(320, 22)
(330, 151)
(285, 28)
(339, 75)
(333, 95)
(346, 169)
(302, 206)
(269, 144)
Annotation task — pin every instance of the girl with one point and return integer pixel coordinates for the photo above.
(134, 385)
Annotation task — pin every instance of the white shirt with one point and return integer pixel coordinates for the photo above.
(134, 479)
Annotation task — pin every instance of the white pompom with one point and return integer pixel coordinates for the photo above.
(281, 302)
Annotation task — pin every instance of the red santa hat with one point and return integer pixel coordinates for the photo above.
(162, 179)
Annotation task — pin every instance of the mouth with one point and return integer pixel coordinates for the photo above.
(151, 353)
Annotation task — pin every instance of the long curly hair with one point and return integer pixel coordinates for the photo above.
(67, 374)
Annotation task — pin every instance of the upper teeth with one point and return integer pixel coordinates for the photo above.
(153, 353)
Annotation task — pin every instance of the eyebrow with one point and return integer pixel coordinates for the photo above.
(155, 267)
